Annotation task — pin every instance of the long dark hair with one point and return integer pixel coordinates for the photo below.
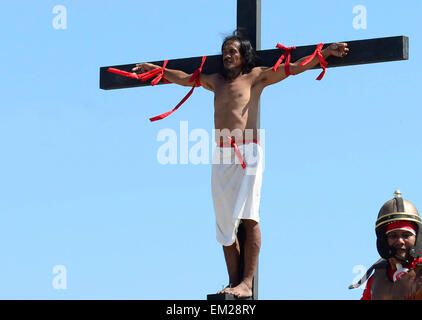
(247, 52)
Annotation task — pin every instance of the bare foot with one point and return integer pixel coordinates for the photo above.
(227, 289)
(241, 291)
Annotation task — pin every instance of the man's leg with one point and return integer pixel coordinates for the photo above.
(251, 253)
(232, 256)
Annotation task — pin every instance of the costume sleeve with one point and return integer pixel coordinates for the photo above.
(367, 292)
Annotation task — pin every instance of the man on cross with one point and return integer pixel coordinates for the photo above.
(236, 192)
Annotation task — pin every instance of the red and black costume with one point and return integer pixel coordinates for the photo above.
(384, 284)
(395, 278)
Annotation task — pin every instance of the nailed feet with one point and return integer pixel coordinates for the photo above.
(242, 290)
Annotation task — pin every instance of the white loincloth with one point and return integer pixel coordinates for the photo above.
(236, 191)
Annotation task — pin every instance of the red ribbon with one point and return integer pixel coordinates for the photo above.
(238, 154)
(194, 78)
(158, 73)
(322, 62)
(123, 73)
(236, 149)
(287, 55)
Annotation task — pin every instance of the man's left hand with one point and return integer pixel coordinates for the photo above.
(338, 49)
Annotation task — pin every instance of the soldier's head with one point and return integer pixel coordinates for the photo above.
(398, 228)
(401, 235)
(238, 56)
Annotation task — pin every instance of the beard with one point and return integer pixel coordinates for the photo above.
(230, 73)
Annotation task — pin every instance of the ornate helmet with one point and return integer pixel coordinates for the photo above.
(397, 209)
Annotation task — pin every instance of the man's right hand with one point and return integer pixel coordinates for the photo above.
(338, 49)
(144, 67)
(174, 76)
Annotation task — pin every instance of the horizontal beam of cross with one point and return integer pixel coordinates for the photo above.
(361, 52)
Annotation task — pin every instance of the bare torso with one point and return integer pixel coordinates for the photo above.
(236, 104)
(236, 101)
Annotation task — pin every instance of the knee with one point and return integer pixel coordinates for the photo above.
(250, 224)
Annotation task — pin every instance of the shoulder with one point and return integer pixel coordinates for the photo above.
(257, 73)
(265, 76)
(209, 81)
(258, 70)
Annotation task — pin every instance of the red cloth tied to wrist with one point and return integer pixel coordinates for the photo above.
(321, 59)
(158, 73)
(195, 79)
(287, 55)
(123, 73)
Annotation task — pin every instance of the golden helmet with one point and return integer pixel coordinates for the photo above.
(397, 209)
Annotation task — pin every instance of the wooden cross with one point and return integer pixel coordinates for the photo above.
(249, 21)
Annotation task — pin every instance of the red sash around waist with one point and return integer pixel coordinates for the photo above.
(232, 144)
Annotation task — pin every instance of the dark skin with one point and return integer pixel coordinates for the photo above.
(402, 241)
(235, 111)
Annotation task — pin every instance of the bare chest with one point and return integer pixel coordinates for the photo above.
(235, 93)
(237, 96)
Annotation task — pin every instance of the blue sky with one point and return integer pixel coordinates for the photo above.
(81, 186)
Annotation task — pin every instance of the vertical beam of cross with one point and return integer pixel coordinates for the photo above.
(249, 23)
(249, 20)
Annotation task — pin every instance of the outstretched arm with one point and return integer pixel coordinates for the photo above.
(335, 49)
(268, 76)
(176, 76)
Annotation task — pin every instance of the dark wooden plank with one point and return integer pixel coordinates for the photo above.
(249, 21)
(361, 52)
(110, 80)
